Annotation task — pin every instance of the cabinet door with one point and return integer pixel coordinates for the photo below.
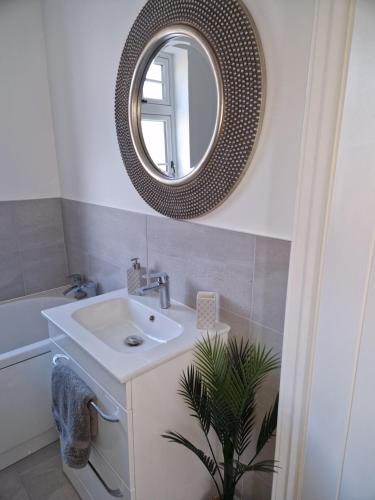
(114, 439)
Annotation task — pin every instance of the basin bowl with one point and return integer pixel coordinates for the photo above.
(113, 321)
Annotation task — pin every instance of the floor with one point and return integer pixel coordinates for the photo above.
(37, 477)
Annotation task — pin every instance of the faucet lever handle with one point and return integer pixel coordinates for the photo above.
(76, 278)
(162, 277)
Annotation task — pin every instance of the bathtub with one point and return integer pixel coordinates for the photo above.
(26, 424)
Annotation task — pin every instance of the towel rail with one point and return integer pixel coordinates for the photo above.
(104, 416)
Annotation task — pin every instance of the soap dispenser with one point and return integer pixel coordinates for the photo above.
(134, 277)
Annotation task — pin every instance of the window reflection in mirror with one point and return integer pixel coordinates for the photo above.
(179, 107)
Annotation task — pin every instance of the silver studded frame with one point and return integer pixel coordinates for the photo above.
(230, 31)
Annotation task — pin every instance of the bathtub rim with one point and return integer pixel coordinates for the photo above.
(34, 349)
(53, 292)
(24, 353)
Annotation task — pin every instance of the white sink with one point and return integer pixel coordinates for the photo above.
(100, 326)
(114, 320)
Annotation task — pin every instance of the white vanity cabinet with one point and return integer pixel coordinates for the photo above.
(129, 457)
(138, 387)
(111, 468)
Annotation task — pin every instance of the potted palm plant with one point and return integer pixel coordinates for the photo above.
(220, 390)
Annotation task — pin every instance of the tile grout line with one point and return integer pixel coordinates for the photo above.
(253, 281)
(273, 330)
(147, 253)
(14, 219)
(63, 235)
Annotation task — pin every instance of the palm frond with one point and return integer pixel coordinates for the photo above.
(207, 461)
(243, 437)
(263, 466)
(212, 362)
(196, 397)
(257, 365)
(239, 351)
(250, 364)
(211, 359)
(268, 427)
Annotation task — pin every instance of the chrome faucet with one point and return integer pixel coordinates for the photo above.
(161, 284)
(78, 283)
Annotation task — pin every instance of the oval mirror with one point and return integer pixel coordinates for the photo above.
(176, 106)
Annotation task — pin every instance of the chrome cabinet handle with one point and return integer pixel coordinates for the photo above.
(115, 493)
(104, 416)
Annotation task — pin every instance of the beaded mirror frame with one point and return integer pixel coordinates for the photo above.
(231, 36)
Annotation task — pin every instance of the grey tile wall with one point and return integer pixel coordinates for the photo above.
(100, 242)
(270, 282)
(250, 272)
(203, 258)
(32, 247)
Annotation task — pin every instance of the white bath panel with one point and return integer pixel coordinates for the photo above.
(25, 408)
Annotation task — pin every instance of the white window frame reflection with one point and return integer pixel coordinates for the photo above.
(167, 167)
(163, 110)
(165, 62)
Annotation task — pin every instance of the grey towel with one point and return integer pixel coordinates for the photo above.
(75, 419)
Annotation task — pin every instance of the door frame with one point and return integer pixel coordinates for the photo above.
(329, 57)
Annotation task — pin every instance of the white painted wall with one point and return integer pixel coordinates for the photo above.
(28, 166)
(84, 41)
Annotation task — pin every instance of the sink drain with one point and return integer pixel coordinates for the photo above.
(133, 340)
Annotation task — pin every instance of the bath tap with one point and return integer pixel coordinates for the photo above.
(80, 287)
(161, 284)
(77, 282)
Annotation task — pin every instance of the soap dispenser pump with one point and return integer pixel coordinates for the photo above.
(134, 277)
